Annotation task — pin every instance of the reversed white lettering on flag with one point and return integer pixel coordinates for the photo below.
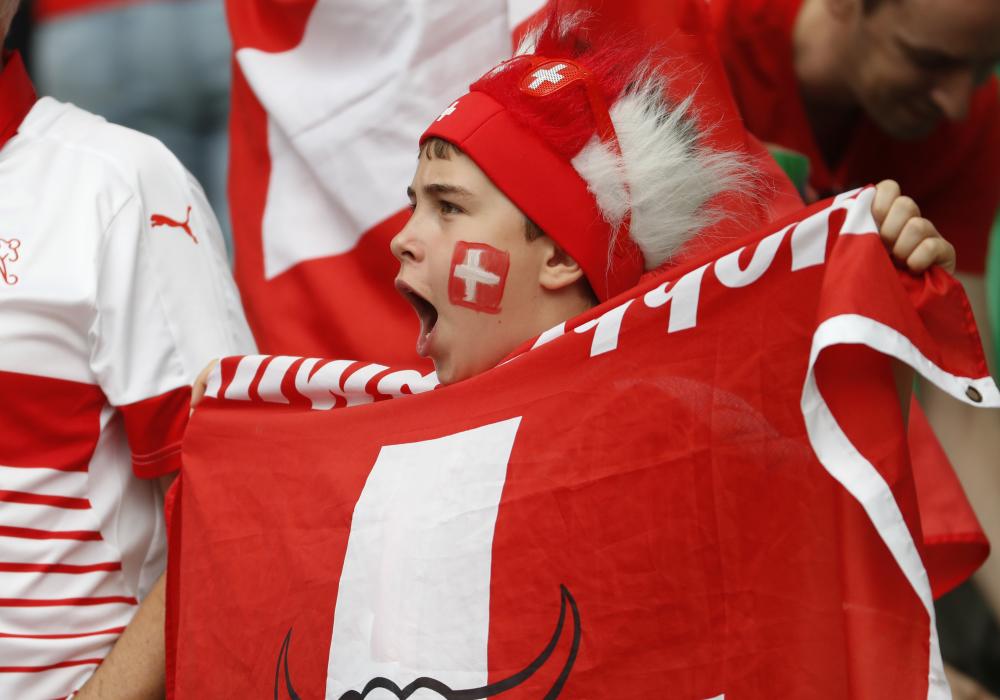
(414, 594)
(239, 387)
(806, 242)
(607, 328)
(321, 382)
(729, 272)
(683, 295)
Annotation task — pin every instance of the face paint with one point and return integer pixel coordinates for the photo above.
(478, 276)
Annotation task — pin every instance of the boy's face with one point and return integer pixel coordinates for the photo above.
(467, 268)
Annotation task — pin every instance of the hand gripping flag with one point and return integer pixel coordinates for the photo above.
(701, 489)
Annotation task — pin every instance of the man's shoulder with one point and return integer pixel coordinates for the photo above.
(80, 141)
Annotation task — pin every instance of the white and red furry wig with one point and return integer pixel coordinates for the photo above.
(584, 139)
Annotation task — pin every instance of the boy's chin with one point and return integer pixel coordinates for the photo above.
(449, 371)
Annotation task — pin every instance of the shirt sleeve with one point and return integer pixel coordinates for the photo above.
(166, 305)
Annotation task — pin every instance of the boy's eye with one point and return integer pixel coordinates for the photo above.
(448, 208)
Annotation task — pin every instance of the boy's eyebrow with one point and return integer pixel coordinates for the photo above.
(437, 189)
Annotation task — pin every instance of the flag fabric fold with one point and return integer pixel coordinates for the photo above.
(700, 489)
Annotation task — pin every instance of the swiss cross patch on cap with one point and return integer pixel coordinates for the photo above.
(551, 76)
(478, 276)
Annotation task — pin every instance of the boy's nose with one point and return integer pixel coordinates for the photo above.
(406, 244)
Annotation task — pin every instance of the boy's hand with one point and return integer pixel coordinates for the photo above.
(913, 240)
(201, 384)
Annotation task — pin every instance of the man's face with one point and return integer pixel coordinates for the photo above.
(452, 251)
(912, 63)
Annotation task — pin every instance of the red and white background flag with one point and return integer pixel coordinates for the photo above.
(329, 99)
(701, 489)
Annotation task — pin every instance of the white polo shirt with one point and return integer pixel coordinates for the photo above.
(114, 294)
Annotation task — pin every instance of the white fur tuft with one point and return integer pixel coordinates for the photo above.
(529, 41)
(664, 178)
(567, 24)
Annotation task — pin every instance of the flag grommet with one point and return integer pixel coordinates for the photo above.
(974, 395)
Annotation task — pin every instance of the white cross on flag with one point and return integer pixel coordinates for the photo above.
(478, 275)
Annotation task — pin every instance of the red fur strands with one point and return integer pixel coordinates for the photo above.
(564, 120)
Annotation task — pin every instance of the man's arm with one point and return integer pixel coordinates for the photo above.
(135, 669)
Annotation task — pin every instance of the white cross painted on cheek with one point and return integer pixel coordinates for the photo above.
(472, 273)
(547, 75)
(451, 108)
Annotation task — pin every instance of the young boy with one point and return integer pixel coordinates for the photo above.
(524, 217)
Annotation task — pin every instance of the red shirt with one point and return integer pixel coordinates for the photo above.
(953, 174)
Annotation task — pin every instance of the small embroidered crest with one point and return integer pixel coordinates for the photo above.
(8, 254)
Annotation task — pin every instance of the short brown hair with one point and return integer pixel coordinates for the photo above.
(439, 148)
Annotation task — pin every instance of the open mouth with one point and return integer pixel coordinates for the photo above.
(426, 312)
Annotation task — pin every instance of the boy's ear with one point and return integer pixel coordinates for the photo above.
(558, 270)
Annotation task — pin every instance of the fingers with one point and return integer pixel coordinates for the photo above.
(920, 246)
(913, 240)
(901, 211)
(886, 192)
(201, 384)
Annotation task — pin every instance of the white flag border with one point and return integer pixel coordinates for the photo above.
(861, 479)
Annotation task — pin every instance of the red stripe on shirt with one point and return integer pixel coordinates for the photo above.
(155, 427)
(44, 500)
(68, 635)
(39, 669)
(56, 602)
(18, 567)
(52, 423)
(33, 534)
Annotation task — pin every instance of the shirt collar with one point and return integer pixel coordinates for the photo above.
(17, 96)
